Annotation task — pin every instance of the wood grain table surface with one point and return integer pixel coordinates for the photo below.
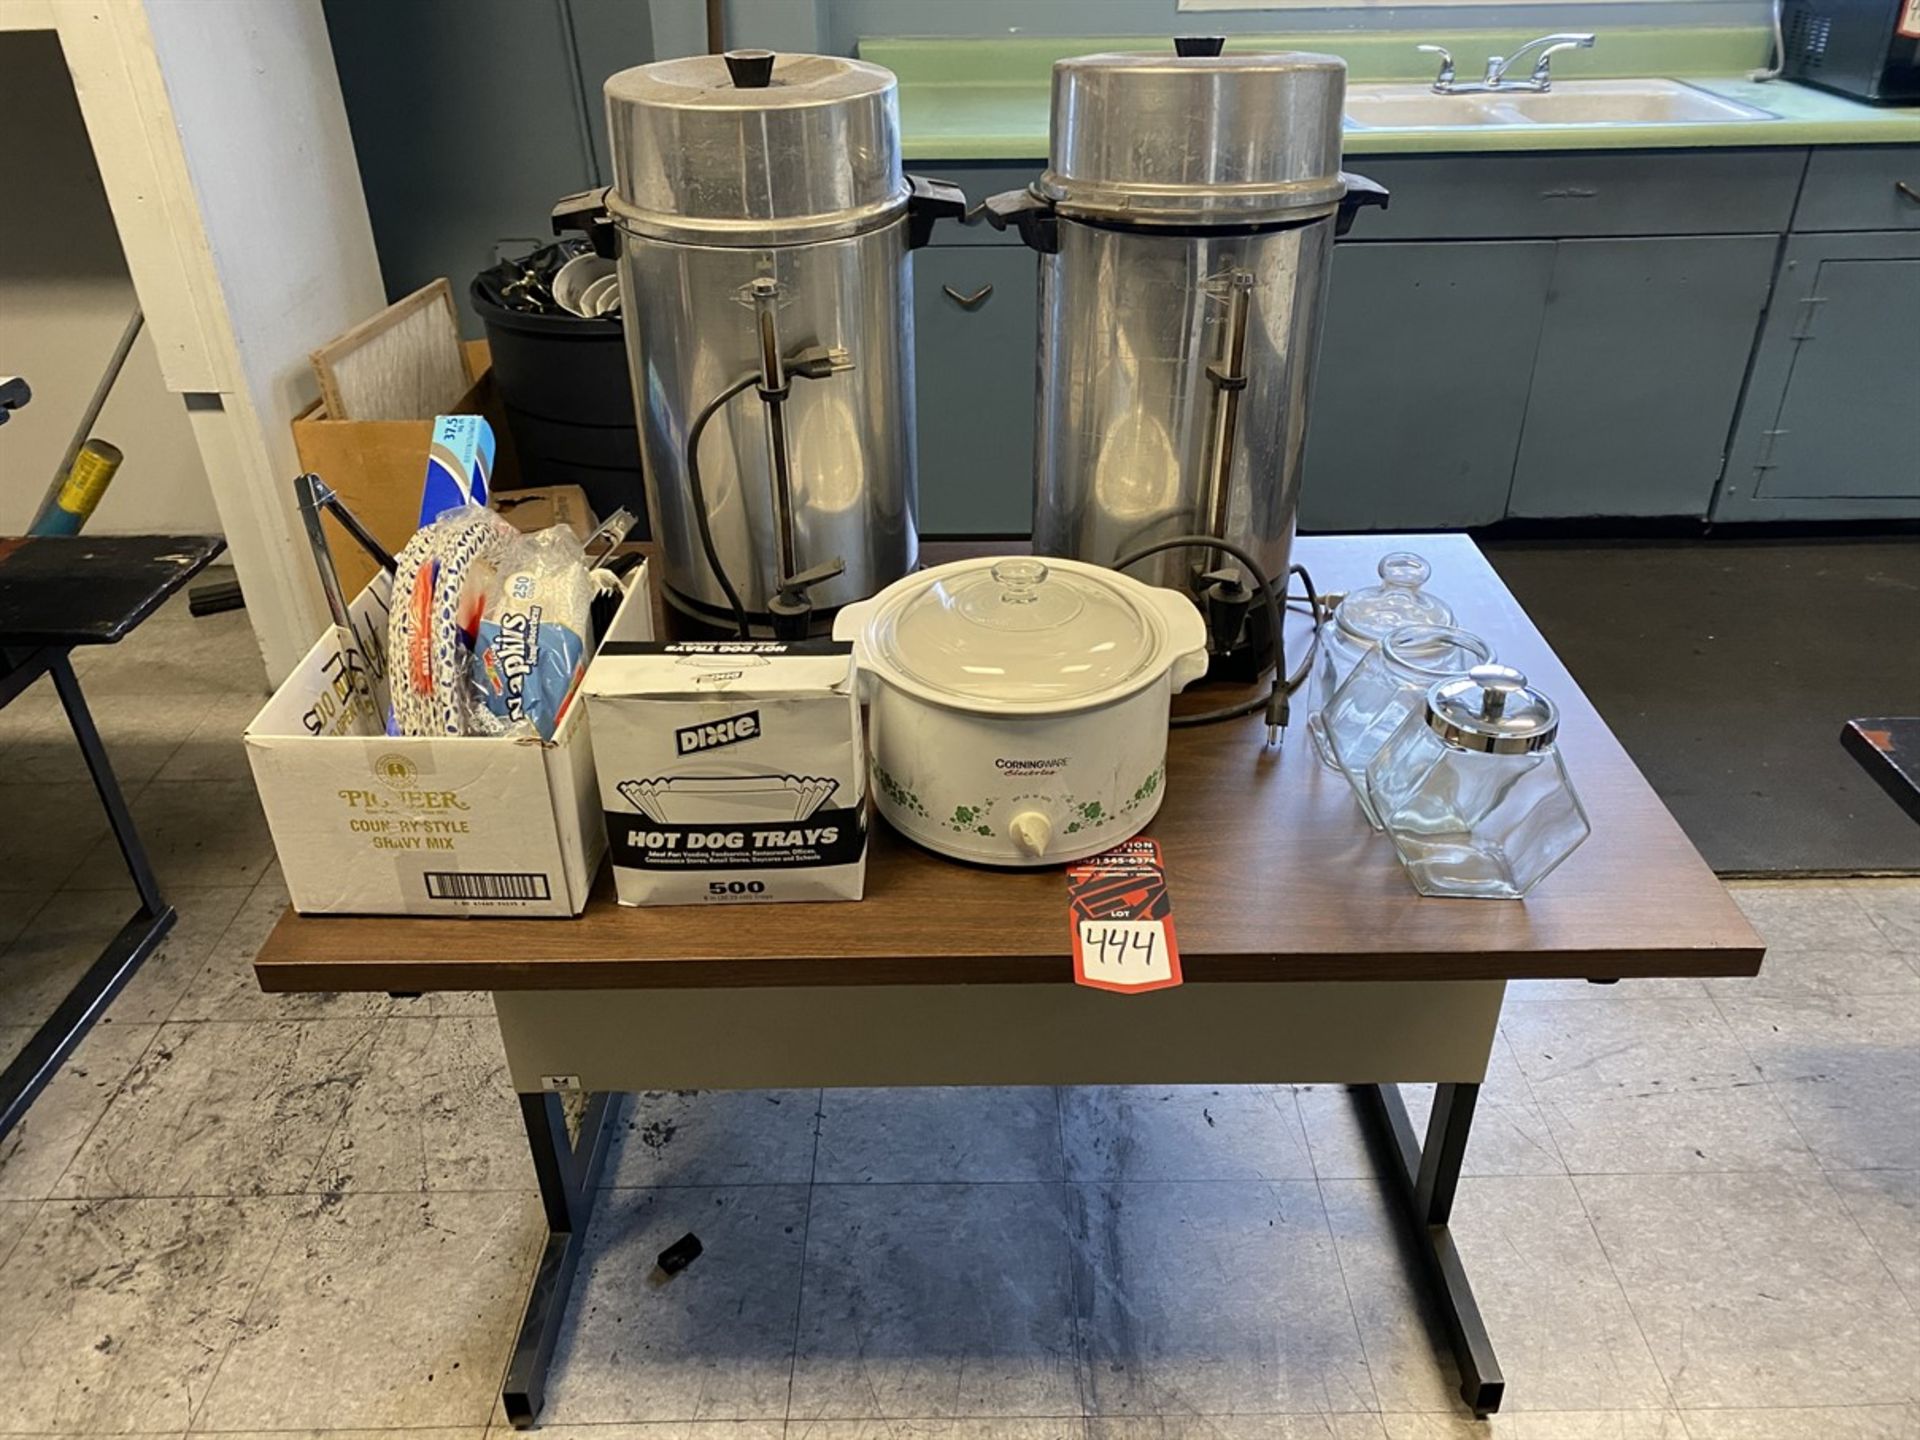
(1274, 873)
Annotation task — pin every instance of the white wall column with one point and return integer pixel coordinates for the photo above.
(224, 149)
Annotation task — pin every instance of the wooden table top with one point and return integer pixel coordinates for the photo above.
(1275, 876)
(91, 589)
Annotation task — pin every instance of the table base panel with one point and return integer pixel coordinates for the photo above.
(1369, 1035)
(596, 1040)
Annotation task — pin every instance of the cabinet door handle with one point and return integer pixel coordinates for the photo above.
(968, 302)
(1907, 190)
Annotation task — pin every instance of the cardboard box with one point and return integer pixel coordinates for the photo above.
(378, 467)
(730, 770)
(371, 824)
(540, 507)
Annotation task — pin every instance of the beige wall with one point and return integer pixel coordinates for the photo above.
(64, 297)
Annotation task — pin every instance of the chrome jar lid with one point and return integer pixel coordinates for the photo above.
(1196, 137)
(1492, 710)
(753, 148)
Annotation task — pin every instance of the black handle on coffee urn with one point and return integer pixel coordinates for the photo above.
(750, 69)
(1031, 215)
(929, 201)
(586, 211)
(1193, 46)
(1361, 193)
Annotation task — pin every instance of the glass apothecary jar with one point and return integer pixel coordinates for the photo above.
(1390, 683)
(1472, 791)
(1361, 622)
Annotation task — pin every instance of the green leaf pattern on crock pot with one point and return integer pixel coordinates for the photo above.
(899, 794)
(1148, 787)
(1092, 812)
(967, 819)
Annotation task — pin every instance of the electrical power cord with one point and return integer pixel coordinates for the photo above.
(1277, 702)
(701, 520)
(814, 362)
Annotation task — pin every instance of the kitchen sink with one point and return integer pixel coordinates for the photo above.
(1569, 102)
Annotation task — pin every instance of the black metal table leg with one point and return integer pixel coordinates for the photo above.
(28, 1073)
(569, 1173)
(1426, 1177)
(115, 804)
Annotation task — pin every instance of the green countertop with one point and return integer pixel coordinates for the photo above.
(986, 99)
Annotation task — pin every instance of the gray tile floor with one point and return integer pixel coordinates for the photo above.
(1693, 1210)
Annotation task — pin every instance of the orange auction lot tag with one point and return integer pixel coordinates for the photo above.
(1122, 919)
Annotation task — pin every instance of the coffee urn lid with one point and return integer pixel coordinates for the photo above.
(754, 148)
(1194, 137)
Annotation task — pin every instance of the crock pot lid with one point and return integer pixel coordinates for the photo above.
(1018, 629)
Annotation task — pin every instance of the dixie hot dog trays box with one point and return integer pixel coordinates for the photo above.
(371, 824)
(730, 771)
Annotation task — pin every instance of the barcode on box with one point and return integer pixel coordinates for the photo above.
(485, 885)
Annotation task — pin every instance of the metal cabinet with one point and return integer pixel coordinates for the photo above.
(1829, 427)
(1530, 335)
(1869, 187)
(1554, 195)
(1425, 363)
(1638, 371)
(975, 346)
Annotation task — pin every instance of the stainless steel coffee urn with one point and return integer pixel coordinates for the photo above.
(763, 229)
(1185, 220)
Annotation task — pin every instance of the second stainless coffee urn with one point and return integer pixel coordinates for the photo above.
(1185, 223)
(763, 228)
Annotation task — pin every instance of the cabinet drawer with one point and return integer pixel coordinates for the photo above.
(1861, 189)
(1549, 196)
(979, 180)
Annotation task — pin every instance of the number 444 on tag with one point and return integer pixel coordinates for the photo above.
(1123, 920)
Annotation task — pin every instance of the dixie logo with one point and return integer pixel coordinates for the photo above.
(714, 734)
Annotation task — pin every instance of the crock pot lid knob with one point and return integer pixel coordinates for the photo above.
(1199, 44)
(1020, 598)
(1031, 832)
(750, 69)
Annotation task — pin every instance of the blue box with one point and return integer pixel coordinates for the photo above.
(459, 465)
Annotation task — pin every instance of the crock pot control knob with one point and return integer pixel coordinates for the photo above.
(1030, 832)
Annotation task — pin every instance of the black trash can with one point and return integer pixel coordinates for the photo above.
(563, 383)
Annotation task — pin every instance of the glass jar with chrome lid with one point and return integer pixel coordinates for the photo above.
(1391, 682)
(1473, 792)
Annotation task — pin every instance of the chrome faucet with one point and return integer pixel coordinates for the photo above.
(1498, 66)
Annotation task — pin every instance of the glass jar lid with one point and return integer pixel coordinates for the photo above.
(1370, 615)
(1019, 630)
(1426, 653)
(1492, 710)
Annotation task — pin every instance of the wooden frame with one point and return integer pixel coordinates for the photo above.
(331, 359)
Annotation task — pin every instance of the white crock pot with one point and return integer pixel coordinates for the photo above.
(1018, 707)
